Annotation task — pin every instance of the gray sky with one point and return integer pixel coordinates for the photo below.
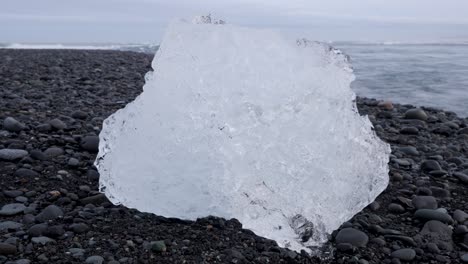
(136, 21)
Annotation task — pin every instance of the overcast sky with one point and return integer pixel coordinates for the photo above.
(137, 21)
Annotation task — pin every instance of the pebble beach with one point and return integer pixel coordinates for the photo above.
(52, 105)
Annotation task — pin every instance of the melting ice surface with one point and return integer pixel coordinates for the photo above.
(244, 123)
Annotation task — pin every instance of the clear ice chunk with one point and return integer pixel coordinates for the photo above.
(244, 123)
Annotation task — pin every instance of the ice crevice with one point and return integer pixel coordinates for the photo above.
(245, 123)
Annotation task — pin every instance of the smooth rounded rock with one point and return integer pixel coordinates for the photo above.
(463, 131)
(77, 252)
(21, 199)
(409, 150)
(405, 239)
(55, 231)
(44, 128)
(90, 143)
(79, 228)
(93, 175)
(429, 214)
(416, 113)
(12, 154)
(72, 162)
(38, 155)
(433, 248)
(438, 173)
(57, 124)
(79, 115)
(94, 260)
(374, 206)
(403, 162)
(26, 173)
(42, 240)
(28, 219)
(352, 236)
(51, 212)
(464, 258)
(424, 202)
(439, 192)
(406, 254)
(409, 131)
(396, 208)
(430, 165)
(345, 247)
(37, 230)
(378, 241)
(158, 246)
(460, 216)
(386, 105)
(53, 152)
(455, 160)
(460, 230)
(12, 193)
(9, 225)
(12, 209)
(12, 125)
(438, 227)
(23, 261)
(461, 176)
(7, 249)
(95, 199)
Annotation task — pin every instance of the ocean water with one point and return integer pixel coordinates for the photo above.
(432, 74)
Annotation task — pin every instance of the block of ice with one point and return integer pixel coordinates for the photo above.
(245, 123)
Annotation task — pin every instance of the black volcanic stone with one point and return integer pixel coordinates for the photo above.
(26, 173)
(406, 254)
(93, 175)
(396, 208)
(429, 214)
(53, 152)
(460, 216)
(57, 124)
(37, 230)
(12, 125)
(430, 165)
(51, 212)
(424, 202)
(79, 228)
(95, 199)
(409, 130)
(12, 209)
(352, 236)
(37, 154)
(463, 131)
(55, 231)
(12, 154)
(12, 193)
(43, 127)
(7, 249)
(79, 115)
(461, 176)
(90, 143)
(416, 113)
(409, 150)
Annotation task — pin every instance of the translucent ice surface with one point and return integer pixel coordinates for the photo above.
(245, 123)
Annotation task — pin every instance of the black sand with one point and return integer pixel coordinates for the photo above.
(52, 104)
